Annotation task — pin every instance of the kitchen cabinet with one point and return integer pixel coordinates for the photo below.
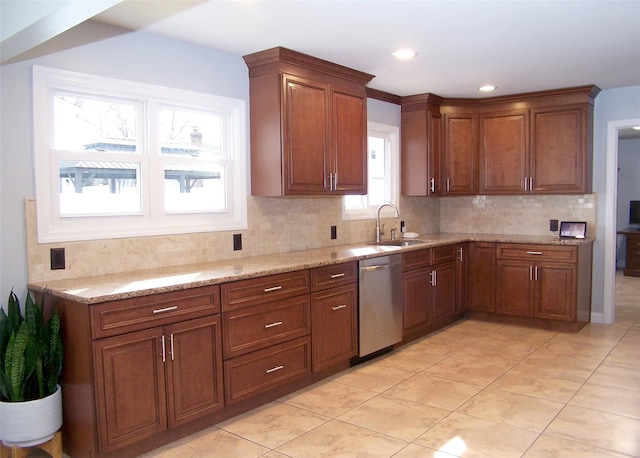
(429, 289)
(308, 125)
(482, 276)
(460, 162)
(139, 368)
(561, 149)
(334, 311)
(504, 152)
(421, 145)
(539, 142)
(157, 379)
(267, 333)
(537, 281)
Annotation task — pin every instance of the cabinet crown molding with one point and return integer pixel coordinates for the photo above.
(282, 59)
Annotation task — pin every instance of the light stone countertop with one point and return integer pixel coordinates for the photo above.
(93, 290)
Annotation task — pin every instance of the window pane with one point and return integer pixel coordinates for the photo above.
(191, 188)
(379, 181)
(191, 133)
(99, 188)
(91, 124)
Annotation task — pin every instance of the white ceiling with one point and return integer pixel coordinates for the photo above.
(519, 46)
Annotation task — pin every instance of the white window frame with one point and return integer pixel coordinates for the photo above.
(52, 227)
(392, 135)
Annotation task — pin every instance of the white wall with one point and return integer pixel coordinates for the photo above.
(102, 50)
(610, 105)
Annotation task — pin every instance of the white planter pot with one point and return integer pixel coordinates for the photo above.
(31, 422)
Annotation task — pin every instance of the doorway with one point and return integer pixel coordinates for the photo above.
(614, 129)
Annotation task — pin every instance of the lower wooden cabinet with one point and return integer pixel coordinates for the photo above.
(482, 276)
(334, 314)
(429, 289)
(259, 371)
(151, 380)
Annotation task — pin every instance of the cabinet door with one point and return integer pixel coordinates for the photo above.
(194, 369)
(460, 154)
(417, 300)
(306, 136)
(504, 152)
(349, 157)
(558, 150)
(130, 388)
(444, 292)
(421, 153)
(462, 278)
(335, 326)
(514, 287)
(482, 276)
(556, 291)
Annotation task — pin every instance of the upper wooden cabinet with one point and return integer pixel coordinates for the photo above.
(460, 162)
(504, 152)
(308, 125)
(421, 145)
(527, 143)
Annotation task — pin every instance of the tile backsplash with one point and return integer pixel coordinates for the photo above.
(528, 215)
(291, 224)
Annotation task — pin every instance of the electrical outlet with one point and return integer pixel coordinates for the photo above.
(237, 242)
(334, 232)
(553, 225)
(401, 226)
(57, 259)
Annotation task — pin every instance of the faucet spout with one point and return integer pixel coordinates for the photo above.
(379, 229)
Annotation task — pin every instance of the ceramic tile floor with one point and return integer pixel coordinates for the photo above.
(475, 389)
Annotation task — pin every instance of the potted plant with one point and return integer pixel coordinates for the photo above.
(30, 365)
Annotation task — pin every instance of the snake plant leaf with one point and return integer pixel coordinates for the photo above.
(54, 360)
(15, 363)
(15, 315)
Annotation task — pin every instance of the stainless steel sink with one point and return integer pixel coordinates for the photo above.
(405, 242)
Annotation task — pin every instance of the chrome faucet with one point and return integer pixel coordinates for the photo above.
(379, 229)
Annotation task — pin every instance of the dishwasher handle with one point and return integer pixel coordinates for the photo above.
(374, 268)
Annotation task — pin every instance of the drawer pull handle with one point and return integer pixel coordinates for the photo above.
(274, 369)
(273, 288)
(272, 325)
(338, 307)
(534, 252)
(341, 274)
(166, 309)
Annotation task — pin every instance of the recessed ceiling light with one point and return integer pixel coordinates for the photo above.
(487, 88)
(404, 54)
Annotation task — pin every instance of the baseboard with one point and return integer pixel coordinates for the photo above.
(597, 317)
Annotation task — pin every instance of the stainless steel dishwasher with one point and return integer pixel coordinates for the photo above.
(380, 307)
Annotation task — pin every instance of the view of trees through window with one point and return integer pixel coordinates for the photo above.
(109, 147)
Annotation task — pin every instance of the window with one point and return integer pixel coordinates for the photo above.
(383, 174)
(121, 159)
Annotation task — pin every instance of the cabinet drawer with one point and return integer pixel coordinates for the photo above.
(441, 254)
(254, 373)
(334, 275)
(252, 328)
(541, 252)
(255, 291)
(416, 259)
(633, 242)
(127, 315)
